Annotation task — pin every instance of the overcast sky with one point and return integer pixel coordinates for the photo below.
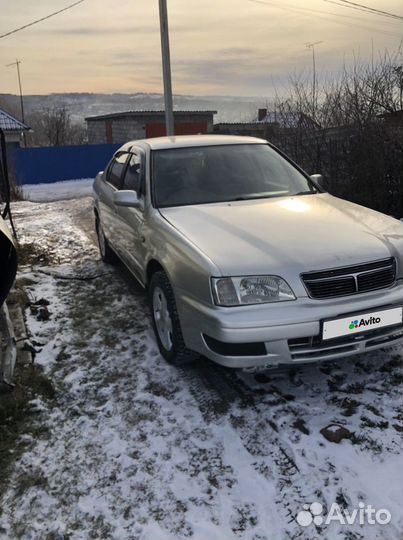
(226, 47)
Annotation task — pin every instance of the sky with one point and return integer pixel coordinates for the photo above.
(218, 47)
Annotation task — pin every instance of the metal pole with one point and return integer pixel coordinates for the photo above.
(312, 46)
(17, 64)
(313, 82)
(166, 68)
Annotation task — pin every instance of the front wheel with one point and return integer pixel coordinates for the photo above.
(166, 322)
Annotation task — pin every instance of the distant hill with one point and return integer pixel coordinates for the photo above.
(80, 105)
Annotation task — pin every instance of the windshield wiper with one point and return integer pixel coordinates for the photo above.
(246, 198)
(260, 196)
(305, 193)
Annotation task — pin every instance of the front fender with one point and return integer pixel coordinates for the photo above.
(187, 267)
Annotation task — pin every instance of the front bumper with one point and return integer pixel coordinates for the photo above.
(288, 332)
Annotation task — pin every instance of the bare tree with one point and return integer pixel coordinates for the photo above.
(53, 127)
(356, 139)
(11, 109)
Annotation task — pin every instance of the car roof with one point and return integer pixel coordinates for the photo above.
(186, 141)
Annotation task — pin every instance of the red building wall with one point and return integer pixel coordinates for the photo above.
(181, 128)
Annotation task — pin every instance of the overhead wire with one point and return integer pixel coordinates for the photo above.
(366, 9)
(324, 15)
(41, 19)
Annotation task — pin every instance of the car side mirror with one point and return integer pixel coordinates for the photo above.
(320, 181)
(127, 198)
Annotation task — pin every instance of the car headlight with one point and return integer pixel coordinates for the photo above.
(236, 291)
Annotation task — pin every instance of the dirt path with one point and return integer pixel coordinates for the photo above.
(131, 447)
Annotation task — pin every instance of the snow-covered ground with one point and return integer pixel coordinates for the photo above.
(133, 448)
(68, 189)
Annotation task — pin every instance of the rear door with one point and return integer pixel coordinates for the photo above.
(131, 242)
(113, 178)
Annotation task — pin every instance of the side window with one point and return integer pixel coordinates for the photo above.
(116, 169)
(132, 178)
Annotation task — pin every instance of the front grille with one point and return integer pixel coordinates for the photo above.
(350, 279)
(314, 348)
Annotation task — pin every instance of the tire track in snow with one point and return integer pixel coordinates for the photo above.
(221, 393)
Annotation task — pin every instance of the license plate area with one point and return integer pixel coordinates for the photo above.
(361, 322)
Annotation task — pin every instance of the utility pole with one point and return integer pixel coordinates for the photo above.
(312, 46)
(166, 68)
(17, 64)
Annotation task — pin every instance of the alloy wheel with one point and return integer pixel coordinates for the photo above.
(162, 318)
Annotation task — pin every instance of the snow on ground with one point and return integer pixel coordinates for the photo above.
(68, 189)
(133, 448)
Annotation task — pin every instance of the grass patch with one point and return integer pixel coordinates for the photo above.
(31, 254)
(301, 426)
(16, 414)
(397, 379)
(374, 410)
(63, 355)
(336, 381)
(355, 388)
(394, 363)
(367, 422)
(27, 481)
(24, 281)
(366, 443)
(350, 407)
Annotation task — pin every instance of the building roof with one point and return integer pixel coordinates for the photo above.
(147, 113)
(249, 124)
(285, 118)
(393, 117)
(9, 123)
(188, 141)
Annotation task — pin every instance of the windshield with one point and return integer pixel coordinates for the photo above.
(208, 174)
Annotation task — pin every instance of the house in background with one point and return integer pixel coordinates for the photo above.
(13, 129)
(266, 123)
(118, 128)
(285, 119)
(392, 118)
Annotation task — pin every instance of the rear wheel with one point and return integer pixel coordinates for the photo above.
(166, 322)
(107, 254)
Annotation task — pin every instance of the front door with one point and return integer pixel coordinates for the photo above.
(131, 242)
(113, 178)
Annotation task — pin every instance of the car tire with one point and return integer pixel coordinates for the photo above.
(166, 322)
(106, 252)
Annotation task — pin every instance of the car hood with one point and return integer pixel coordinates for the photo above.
(287, 235)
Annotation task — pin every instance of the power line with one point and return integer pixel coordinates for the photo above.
(324, 15)
(367, 9)
(302, 9)
(362, 10)
(41, 19)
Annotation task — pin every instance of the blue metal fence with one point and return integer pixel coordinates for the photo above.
(56, 163)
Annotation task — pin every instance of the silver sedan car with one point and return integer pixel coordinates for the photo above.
(246, 259)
